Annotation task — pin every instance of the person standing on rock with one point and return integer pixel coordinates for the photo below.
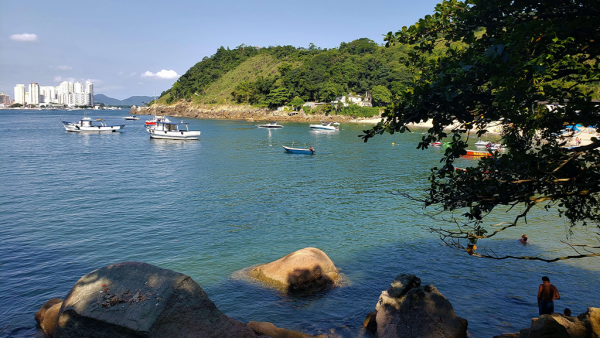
(547, 293)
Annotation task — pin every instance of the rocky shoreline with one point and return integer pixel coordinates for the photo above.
(134, 299)
(235, 112)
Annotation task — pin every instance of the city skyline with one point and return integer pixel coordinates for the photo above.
(129, 48)
(67, 93)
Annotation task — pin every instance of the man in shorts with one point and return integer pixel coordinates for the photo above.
(547, 293)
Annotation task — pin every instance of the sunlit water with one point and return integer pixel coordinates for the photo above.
(72, 203)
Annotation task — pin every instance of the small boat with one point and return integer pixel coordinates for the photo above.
(324, 126)
(85, 124)
(437, 144)
(273, 125)
(481, 143)
(169, 130)
(478, 153)
(308, 151)
(131, 118)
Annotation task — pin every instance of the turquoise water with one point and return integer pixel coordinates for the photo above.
(72, 203)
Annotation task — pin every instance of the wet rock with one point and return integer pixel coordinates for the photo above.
(410, 310)
(39, 315)
(47, 316)
(370, 323)
(305, 270)
(134, 299)
(270, 330)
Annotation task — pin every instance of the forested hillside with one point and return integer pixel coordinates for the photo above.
(274, 76)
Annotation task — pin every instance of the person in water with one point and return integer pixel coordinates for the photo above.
(523, 239)
(547, 293)
(567, 312)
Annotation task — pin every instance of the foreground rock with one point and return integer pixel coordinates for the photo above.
(556, 325)
(407, 309)
(270, 330)
(305, 270)
(141, 300)
(47, 315)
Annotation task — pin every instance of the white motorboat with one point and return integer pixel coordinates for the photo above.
(273, 125)
(173, 131)
(85, 124)
(324, 126)
(481, 143)
(131, 118)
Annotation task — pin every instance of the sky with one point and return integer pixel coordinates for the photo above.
(133, 47)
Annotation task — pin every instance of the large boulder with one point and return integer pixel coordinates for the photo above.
(47, 316)
(407, 309)
(308, 269)
(134, 299)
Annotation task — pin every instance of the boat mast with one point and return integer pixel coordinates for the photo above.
(154, 103)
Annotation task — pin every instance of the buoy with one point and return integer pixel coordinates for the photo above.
(392, 143)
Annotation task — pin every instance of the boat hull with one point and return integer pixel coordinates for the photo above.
(298, 151)
(175, 135)
(478, 153)
(320, 127)
(77, 128)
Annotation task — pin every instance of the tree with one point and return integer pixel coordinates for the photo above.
(297, 102)
(381, 96)
(278, 96)
(481, 61)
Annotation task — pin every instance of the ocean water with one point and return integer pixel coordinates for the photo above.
(75, 202)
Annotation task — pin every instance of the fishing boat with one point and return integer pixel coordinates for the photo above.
(85, 124)
(272, 125)
(309, 151)
(173, 131)
(131, 118)
(324, 126)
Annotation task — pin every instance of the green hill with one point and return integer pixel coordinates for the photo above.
(273, 76)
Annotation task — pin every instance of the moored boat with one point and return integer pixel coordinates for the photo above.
(309, 151)
(85, 124)
(324, 126)
(272, 125)
(169, 130)
(478, 153)
(131, 118)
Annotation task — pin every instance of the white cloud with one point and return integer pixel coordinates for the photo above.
(25, 37)
(64, 67)
(162, 75)
(61, 79)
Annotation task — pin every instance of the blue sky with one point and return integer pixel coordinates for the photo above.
(129, 47)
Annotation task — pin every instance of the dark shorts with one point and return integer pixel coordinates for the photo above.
(546, 307)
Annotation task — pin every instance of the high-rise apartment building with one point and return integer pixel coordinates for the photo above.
(20, 94)
(34, 93)
(4, 98)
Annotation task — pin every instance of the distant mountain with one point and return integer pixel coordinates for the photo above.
(134, 100)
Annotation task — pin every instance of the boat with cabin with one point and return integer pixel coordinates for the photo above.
(324, 126)
(172, 131)
(271, 125)
(85, 124)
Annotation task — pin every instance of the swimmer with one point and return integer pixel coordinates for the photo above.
(524, 239)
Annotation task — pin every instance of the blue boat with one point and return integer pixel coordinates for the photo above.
(308, 151)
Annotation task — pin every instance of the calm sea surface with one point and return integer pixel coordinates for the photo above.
(71, 203)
